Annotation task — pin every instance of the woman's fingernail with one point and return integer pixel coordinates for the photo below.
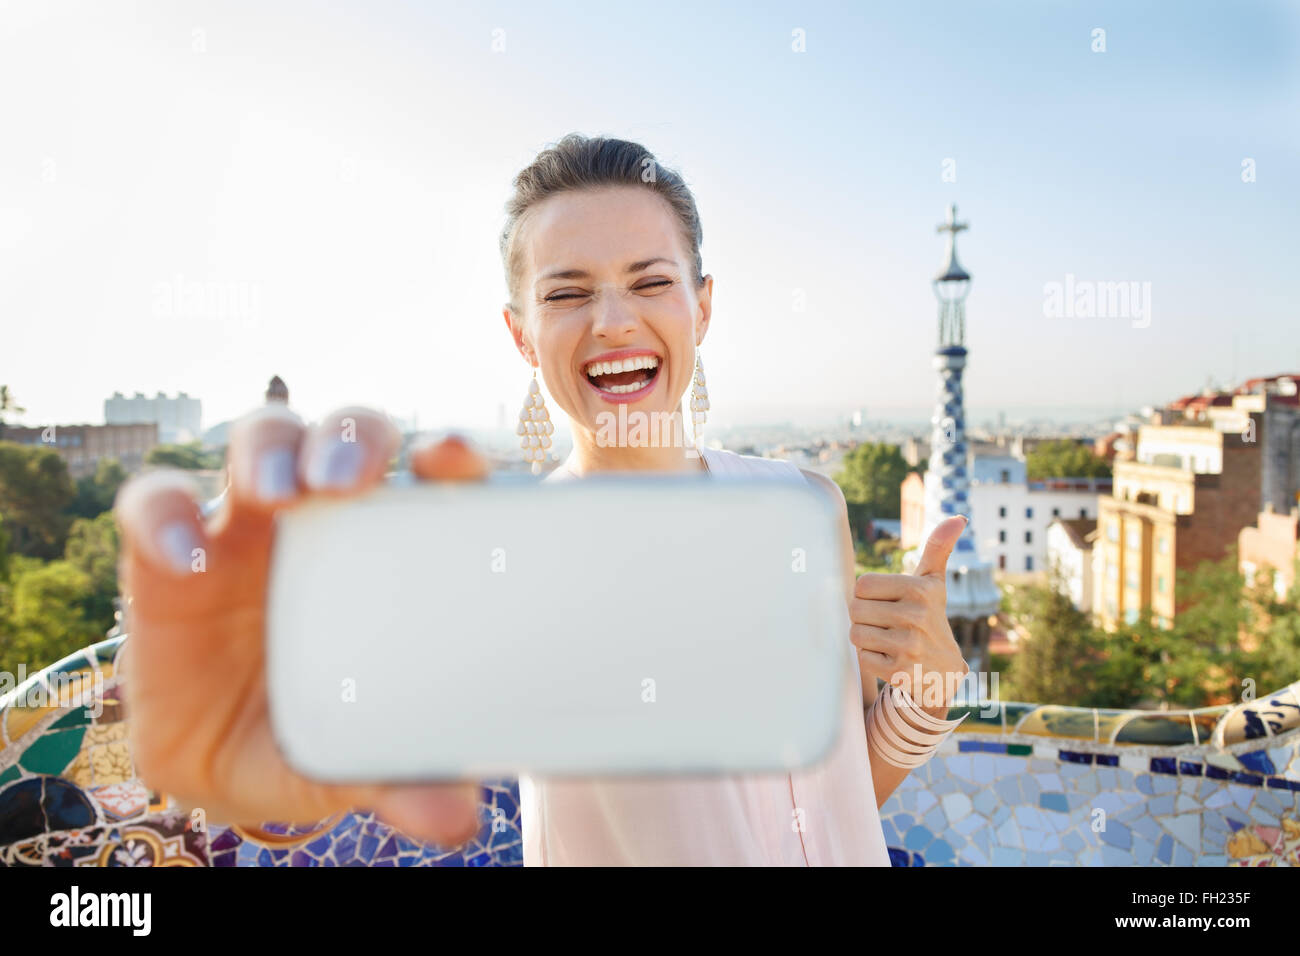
(178, 545)
(336, 464)
(276, 474)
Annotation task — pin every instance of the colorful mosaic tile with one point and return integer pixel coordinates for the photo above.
(1189, 805)
(69, 796)
(1018, 785)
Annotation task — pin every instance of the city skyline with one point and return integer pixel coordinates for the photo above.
(202, 235)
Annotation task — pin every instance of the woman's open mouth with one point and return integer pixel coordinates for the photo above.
(623, 379)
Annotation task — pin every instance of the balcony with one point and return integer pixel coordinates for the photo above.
(1096, 485)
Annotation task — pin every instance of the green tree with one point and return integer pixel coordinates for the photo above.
(870, 478)
(41, 614)
(189, 456)
(92, 549)
(1274, 661)
(887, 552)
(4, 551)
(1224, 633)
(35, 492)
(7, 405)
(1204, 660)
(883, 554)
(1065, 659)
(95, 493)
(1064, 458)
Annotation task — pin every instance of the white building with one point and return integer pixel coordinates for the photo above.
(1011, 514)
(1069, 553)
(179, 419)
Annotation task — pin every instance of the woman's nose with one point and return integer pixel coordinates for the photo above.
(613, 315)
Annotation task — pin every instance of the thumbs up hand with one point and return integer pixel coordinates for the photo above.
(900, 625)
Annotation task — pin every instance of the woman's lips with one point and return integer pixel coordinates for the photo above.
(624, 398)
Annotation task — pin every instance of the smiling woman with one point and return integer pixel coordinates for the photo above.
(608, 298)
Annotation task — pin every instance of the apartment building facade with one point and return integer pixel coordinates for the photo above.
(1182, 501)
(1069, 558)
(83, 446)
(1272, 546)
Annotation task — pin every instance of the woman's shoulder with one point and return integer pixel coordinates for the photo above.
(730, 463)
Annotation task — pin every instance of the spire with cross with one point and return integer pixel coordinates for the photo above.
(951, 285)
(972, 594)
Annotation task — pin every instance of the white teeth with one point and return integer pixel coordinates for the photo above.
(648, 362)
(623, 365)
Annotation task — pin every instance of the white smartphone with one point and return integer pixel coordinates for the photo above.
(609, 625)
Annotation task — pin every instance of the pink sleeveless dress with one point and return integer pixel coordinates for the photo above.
(822, 816)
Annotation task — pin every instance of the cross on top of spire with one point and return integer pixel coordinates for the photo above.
(952, 225)
(952, 272)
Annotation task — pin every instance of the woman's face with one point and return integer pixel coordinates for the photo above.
(605, 278)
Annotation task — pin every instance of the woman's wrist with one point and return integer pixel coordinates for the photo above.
(901, 733)
(925, 703)
(939, 712)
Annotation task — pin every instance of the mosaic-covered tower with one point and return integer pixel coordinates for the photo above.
(972, 595)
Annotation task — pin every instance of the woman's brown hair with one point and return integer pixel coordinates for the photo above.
(586, 162)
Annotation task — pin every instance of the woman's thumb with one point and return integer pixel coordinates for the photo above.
(444, 814)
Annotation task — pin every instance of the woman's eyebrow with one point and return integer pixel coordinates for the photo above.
(583, 274)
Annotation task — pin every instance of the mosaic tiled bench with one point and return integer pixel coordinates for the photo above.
(1018, 784)
(1043, 785)
(69, 796)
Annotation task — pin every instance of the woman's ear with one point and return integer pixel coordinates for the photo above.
(704, 295)
(516, 327)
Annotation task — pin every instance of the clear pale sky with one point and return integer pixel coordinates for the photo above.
(337, 171)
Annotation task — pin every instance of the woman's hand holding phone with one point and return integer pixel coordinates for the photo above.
(196, 592)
